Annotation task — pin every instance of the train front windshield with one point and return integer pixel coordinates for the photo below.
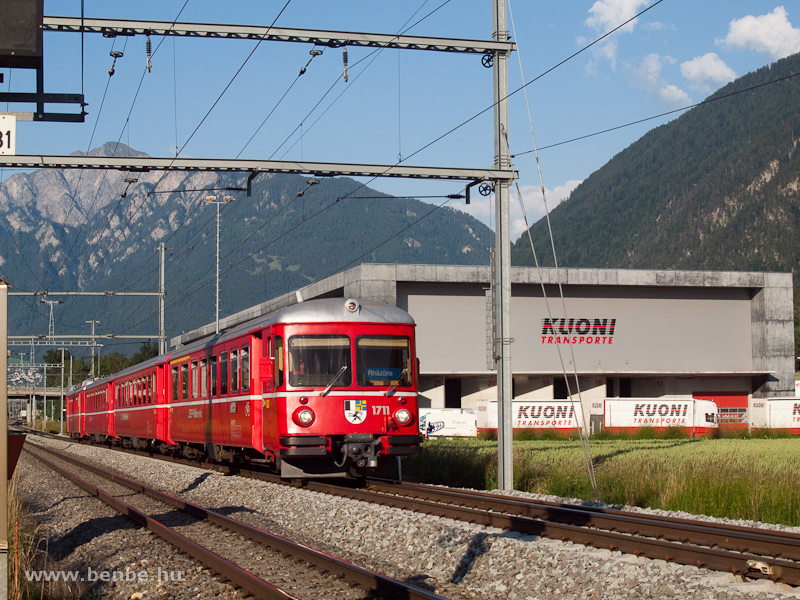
(383, 360)
(316, 359)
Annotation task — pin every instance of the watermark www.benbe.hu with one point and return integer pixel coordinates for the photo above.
(93, 575)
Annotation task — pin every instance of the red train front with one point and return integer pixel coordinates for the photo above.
(339, 387)
(323, 388)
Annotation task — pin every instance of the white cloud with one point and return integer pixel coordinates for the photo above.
(648, 76)
(707, 72)
(659, 26)
(771, 33)
(608, 14)
(482, 208)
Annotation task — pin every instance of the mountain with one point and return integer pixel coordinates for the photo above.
(717, 188)
(65, 230)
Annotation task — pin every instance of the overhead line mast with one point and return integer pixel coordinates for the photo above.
(502, 272)
(496, 53)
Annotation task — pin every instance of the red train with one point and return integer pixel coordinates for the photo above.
(323, 388)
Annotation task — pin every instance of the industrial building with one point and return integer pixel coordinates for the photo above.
(726, 336)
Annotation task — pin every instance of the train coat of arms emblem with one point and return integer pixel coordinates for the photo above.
(355, 411)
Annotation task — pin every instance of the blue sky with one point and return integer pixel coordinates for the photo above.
(396, 102)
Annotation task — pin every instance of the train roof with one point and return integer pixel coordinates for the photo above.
(322, 310)
(326, 310)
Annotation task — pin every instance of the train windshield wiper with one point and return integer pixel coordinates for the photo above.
(391, 390)
(334, 380)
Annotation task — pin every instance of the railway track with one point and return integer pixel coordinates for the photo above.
(744, 551)
(279, 569)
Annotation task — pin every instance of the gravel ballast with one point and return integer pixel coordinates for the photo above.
(452, 558)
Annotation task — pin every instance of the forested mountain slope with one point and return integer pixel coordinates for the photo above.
(717, 188)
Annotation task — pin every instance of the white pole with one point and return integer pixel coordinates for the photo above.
(217, 311)
(61, 404)
(3, 440)
(44, 401)
(162, 294)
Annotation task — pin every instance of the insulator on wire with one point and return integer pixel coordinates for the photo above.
(344, 60)
(149, 48)
(115, 54)
(314, 53)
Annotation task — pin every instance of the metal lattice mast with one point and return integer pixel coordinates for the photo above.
(51, 328)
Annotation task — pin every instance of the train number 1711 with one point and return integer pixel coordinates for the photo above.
(380, 410)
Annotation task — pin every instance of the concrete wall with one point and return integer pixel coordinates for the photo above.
(676, 332)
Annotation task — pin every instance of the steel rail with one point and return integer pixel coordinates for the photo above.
(737, 563)
(237, 575)
(772, 564)
(772, 543)
(369, 580)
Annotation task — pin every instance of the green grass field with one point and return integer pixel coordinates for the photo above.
(748, 478)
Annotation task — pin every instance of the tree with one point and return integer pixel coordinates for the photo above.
(146, 351)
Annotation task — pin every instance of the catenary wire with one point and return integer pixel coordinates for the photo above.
(664, 114)
(163, 175)
(361, 186)
(127, 121)
(582, 429)
(186, 291)
(522, 87)
(134, 212)
(402, 30)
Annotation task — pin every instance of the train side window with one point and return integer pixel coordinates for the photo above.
(203, 378)
(234, 370)
(185, 381)
(194, 379)
(278, 361)
(223, 373)
(153, 388)
(245, 368)
(175, 383)
(214, 375)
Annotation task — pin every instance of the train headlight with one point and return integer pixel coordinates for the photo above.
(303, 417)
(403, 416)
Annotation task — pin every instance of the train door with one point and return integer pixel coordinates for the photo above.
(251, 372)
(108, 406)
(82, 413)
(222, 404)
(271, 381)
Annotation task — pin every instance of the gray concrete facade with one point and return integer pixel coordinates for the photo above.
(621, 332)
